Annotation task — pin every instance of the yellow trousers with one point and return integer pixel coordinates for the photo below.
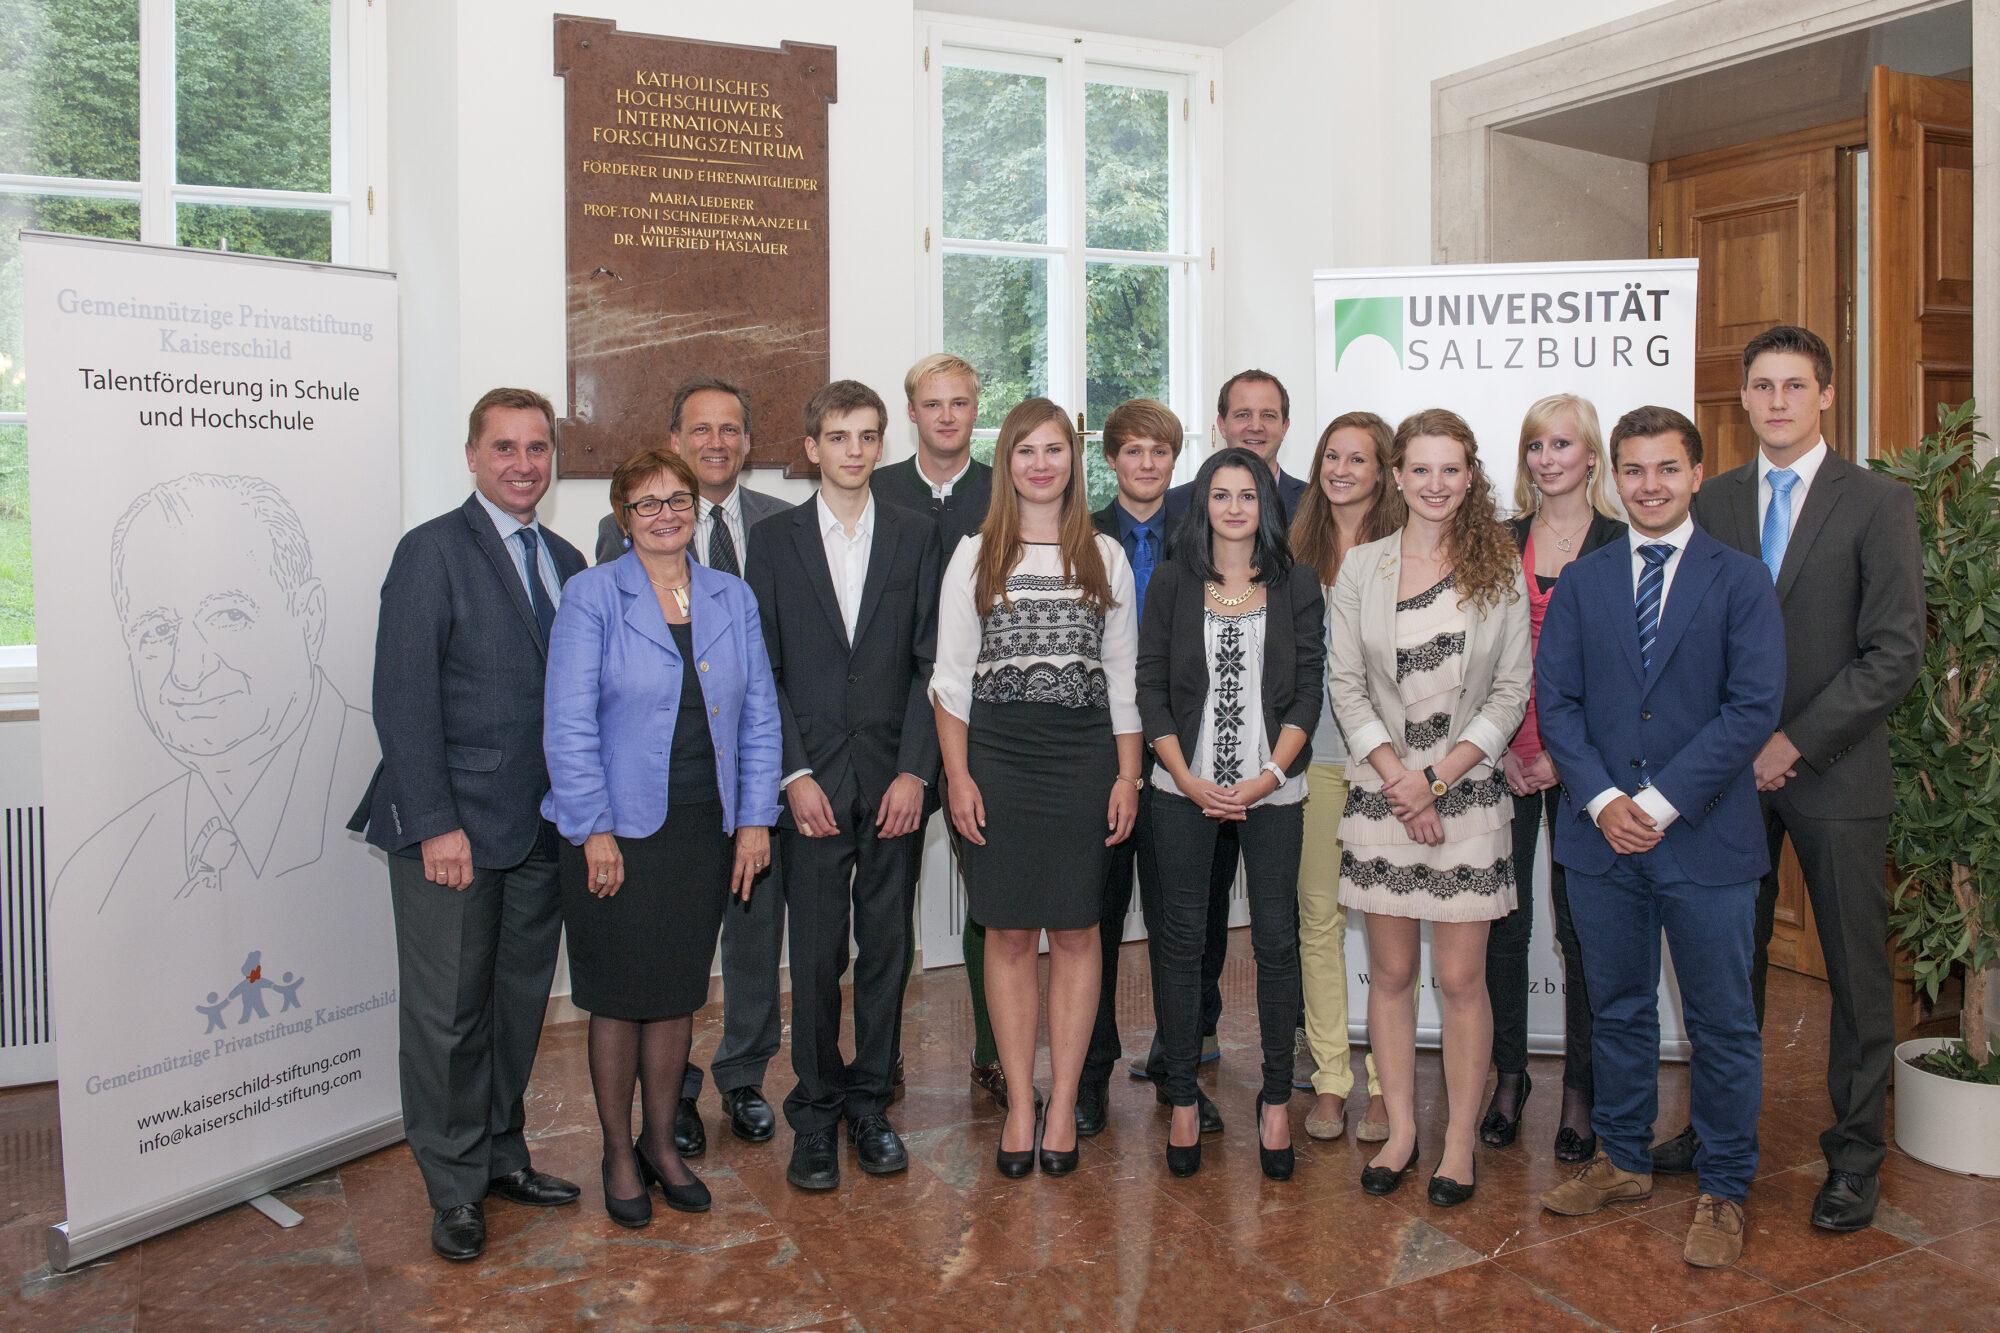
(1323, 934)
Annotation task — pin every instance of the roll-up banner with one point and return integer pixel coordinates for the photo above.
(1485, 341)
(214, 459)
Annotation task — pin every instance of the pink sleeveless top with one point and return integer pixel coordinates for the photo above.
(1528, 740)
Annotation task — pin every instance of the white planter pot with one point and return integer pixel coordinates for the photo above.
(1944, 1121)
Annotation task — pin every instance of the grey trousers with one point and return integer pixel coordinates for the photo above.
(753, 940)
(475, 966)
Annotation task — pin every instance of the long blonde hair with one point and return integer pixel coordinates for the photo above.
(1541, 415)
(1482, 554)
(1315, 539)
(1000, 546)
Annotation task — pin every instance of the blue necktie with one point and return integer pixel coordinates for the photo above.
(1778, 520)
(1651, 584)
(538, 591)
(1143, 560)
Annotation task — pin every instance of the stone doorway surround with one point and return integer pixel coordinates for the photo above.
(1483, 206)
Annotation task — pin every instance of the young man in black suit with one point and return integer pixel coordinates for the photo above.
(457, 804)
(1841, 545)
(848, 592)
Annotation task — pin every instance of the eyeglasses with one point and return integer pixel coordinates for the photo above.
(679, 502)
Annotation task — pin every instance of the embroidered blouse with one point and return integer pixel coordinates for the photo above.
(1232, 746)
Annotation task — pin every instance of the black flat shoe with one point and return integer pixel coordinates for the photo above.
(1184, 1162)
(1497, 1130)
(1209, 1112)
(1676, 1156)
(1574, 1147)
(537, 1189)
(1277, 1163)
(692, 1197)
(690, 1139)
(1448, 1193)
(1092, 1109)
(633, 1212)
(1381, 1180)
(750, 1116)
(459, 1233)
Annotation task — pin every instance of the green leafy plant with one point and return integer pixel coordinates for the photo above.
(1945, 832)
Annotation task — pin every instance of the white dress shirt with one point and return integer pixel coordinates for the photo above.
(507, 525)
(732, 514)
(847, 558)
(941, 490)
(1806, 466)
(1648, 797)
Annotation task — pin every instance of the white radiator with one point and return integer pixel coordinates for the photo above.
(27, 1038)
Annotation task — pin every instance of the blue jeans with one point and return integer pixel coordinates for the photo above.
(1712, 931)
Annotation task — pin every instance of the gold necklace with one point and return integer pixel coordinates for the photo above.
(680, 592)
(1562, 542)
(1220, 600)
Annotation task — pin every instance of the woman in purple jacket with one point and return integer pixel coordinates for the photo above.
(661, 728)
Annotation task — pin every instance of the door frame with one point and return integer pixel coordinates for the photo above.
(1661, 46)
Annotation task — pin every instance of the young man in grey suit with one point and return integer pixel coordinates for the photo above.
(1841, 545)
(710, 427)
(456, 802)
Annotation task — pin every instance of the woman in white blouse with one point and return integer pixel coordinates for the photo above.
(1231, 657)
(1035, 716)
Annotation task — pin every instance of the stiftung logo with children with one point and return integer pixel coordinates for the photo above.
(250, 992)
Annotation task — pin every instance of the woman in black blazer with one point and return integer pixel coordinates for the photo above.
(1562, 490)
(1231, 664)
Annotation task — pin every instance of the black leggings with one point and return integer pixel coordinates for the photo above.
(1507, 957)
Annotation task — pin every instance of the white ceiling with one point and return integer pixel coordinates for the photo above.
(1197, 22)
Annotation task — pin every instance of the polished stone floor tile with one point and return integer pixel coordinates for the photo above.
(1477, 1297)
(1978, 1249)
(1106, 1207)
(1336, 1245)
(1189, 1283)
(1021, 1302)
(1780, 1243)
(1780, 1314)
(944, 1247)
(1629, 1275)
(1917, 1290)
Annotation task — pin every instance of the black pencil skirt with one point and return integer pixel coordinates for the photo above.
(1044, 774)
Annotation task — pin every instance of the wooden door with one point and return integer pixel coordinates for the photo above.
(1920, 274)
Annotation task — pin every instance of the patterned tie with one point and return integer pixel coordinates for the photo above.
(1778, 520)
(1651, 582)
(1143, 560)
(538, 591)
(721, 546)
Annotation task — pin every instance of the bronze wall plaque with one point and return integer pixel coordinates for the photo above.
(696, 208)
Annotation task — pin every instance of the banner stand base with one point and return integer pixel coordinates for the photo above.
(268, 1205)
(67, 1249)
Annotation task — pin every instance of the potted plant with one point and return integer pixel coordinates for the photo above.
(1945, 832)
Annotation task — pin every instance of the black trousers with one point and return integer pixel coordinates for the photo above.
(1184, 843)
(859, 881)
(1507, 956)
(474, 967)
(1135, 852)
(1842, 860)
(753, 939)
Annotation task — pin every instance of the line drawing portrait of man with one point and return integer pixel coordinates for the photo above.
(223, 622)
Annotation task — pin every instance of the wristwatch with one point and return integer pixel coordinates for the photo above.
(1271, 767)
(1437, 783)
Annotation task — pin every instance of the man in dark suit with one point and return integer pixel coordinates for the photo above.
(848, 592)
(1660, 673)
(946, 482)
(456, 802)
(1840, 543)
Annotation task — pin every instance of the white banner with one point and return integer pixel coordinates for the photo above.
(1487, 340)
(214, 459)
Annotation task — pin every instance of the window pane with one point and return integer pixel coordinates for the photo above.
(290, 233)
(996, 156)
(117, 218)
(69, 88)
(1126, 335)
(1127, 166)
(17, 583)
(996, 315)
(253, 89)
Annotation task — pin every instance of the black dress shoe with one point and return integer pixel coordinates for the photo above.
(537, 1189)
(1014, 1165)
(1277, 1163)
(692, 1197)
(1676, 1156)
(1381, 1180)
(1448, 1193)
(633, 1212)
(1846, 1202)
(1574, 1147)
(1497, 1130)
(1092, 1108)
(877, 1146)
(815, 1162)
(750, 1116)
(459, 1233)
(1211, 1115)
(690, 1139)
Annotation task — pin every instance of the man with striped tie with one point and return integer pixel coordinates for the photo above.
(1659, 678)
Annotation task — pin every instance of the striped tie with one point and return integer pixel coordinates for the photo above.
(1651, 584)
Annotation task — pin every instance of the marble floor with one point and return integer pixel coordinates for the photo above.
(1121, 1244)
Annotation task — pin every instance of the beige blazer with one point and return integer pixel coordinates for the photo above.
(1361, 659)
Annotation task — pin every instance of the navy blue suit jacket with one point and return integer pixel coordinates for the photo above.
(1692, 723)
(459, 662)
(1290, 488)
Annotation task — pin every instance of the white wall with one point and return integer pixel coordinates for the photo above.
(476, 211)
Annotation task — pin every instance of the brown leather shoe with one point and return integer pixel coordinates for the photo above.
(1716, 1238)
(1599, 1182)
(993, 1080)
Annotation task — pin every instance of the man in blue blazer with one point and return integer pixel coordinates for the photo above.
(460, 656)
(1660, 673)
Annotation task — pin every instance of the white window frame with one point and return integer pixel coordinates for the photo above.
(360, 139)
(1196, 204)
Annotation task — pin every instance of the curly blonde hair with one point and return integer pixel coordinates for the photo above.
(1483, 559)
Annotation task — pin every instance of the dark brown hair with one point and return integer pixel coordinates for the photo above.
(1482, 554)
(1790, 338)
(492, 398)
(1315, 538)
(1656, 421)
(838, 399)
(1253, 377)
(641, 468)
(1000, 546)
(706, 384)
(1141, 419)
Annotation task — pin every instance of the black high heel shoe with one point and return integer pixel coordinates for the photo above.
(633, 1212)
(1497, 1130)
(1184, 1162)
(1448, 1193)
(1015, 1165)
(692, 1197)
(1381, 1180)
(1278, 1163)
(1054, 1163)
(1574, 1147)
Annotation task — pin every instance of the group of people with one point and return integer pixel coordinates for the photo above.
(1362, 685)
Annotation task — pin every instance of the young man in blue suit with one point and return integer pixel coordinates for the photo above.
(1660, 675)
